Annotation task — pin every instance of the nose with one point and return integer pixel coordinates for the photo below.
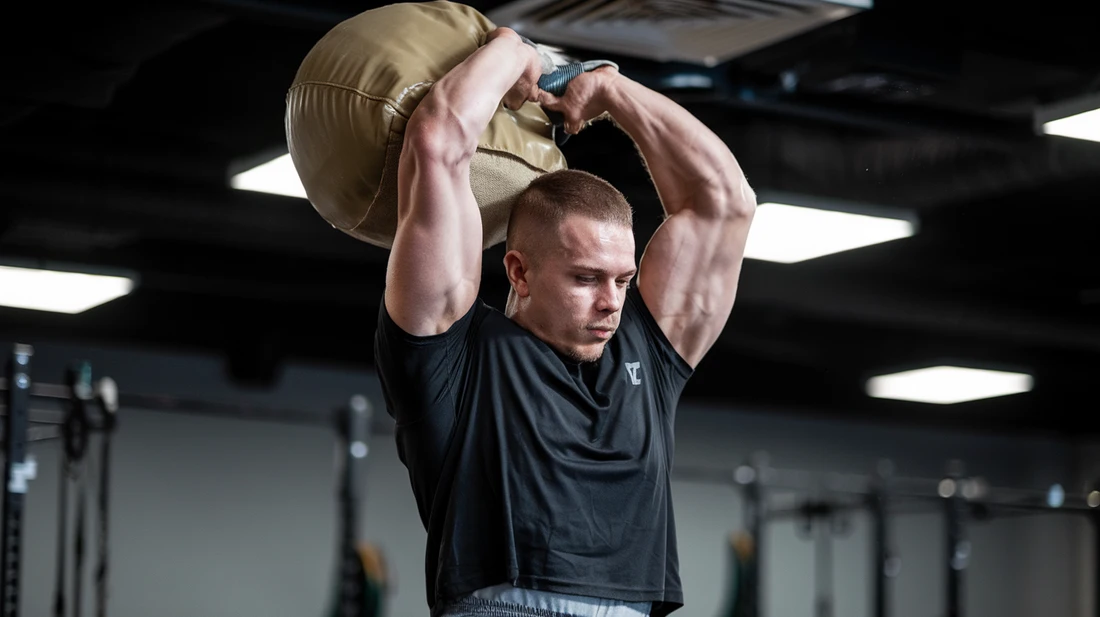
(608, 298)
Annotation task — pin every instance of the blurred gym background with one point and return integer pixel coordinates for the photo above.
(927, 180)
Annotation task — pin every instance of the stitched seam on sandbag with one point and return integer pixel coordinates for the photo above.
(514, 156)
(373, 97)
(381, 182)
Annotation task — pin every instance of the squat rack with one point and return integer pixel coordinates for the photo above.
(959, 497)
(18, 469)
(87, 406)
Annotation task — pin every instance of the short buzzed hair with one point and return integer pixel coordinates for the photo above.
(551, 197)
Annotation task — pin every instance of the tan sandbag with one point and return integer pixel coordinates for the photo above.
(352, 97)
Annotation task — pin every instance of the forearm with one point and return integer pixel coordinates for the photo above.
(459, 106)
(691, 167)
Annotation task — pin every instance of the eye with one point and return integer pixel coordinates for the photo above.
(624, 282)
(586, 279)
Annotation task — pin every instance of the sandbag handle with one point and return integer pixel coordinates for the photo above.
(557, 82)
(556, 77)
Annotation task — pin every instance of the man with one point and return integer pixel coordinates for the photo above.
(539, 441)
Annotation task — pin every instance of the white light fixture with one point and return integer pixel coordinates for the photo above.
(59, 291)
(788, 234)
(947, 384)
(1078, 118)
(276, 176)
(1085, 125)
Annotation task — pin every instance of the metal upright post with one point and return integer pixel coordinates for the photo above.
(749, 476)
(756, 525)
(18, 468)
(354, 435)
(1092, 501)
(880, 552)
(958, 548)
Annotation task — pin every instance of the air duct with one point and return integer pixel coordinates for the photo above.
(704, 32)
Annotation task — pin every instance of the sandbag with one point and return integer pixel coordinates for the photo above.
(353, 94)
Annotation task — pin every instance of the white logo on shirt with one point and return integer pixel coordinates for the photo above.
(632, 369)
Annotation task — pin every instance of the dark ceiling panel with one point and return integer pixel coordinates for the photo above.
(124, 119)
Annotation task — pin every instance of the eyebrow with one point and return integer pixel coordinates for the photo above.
(604, 271)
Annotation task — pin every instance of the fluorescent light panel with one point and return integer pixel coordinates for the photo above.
(788, 234)
(59, 292)
(1085, 125)
(947, 385)
(277, 176)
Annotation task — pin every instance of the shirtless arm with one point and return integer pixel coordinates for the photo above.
(689, 272)
(434, 269)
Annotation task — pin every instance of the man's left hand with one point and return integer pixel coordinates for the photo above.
(584, 99)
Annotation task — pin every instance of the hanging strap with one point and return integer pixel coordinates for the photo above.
(75, 431)
(107, 394)
(101, 568)
(62, 540)
(78, 560)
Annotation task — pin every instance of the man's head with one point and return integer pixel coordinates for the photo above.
(570, 258)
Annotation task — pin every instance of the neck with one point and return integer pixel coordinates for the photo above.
(515, 311)
(524, 320)
(512, 305)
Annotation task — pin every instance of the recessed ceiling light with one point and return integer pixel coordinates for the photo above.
(277, 176)
(947, 384)
(1085, 125)
(1077, 117)
(788, 234)
(59, 291)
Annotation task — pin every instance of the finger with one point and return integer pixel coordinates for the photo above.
(547, 99)
(513, 101)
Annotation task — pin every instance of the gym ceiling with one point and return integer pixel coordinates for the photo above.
(120, 125)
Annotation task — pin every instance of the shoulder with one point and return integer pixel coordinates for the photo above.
(389, 334)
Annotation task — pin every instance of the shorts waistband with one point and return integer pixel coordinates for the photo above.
(477, 607)
(508, 601)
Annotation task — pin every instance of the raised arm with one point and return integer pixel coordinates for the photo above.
(688, 274)
(434, 269)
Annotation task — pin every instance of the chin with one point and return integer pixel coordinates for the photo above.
(586, 354)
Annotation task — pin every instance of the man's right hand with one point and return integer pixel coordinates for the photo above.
(526, 88)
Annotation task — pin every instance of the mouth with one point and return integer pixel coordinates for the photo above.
(602, 333)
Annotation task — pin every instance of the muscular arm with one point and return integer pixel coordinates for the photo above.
(689, 272)
(434, 266)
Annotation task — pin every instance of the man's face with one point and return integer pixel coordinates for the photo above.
(579, 284)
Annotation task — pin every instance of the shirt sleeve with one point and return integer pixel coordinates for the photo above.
(674, 370)
(421, 379)
(419, 374)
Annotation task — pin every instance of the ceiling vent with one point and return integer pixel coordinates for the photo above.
(705, 32)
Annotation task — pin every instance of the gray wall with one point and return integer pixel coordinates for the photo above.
(224, 517)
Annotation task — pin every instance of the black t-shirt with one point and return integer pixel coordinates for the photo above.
(532, 469)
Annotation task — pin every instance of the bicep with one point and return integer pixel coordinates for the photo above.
(688, 277)
(435, 262)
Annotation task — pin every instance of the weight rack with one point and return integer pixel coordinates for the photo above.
(956, 496)
(17, 471)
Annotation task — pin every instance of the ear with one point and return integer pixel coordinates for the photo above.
(516, 265)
